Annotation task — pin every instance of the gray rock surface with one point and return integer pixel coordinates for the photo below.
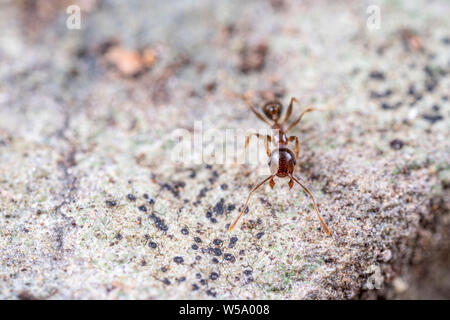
(92, 207)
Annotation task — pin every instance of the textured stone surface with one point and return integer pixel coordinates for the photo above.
(92, 207)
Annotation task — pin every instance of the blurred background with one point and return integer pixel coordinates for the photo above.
(92, 207)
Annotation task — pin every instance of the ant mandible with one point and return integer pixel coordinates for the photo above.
(281, 160)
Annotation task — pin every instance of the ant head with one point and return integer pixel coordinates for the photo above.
(273, 110)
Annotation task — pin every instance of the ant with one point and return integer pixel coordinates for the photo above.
(281, 160)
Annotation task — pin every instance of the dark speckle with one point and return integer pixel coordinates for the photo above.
(195, 287)
(194, 247)
(378, 95)
(152, 244)
(213, 220)
(118, 236)
(214, 260)
(209, 292)
(185, 231)
(25, 295)
(388, 106)
(131, 197)
(214, 276)
(229, 257)
(431, 84)
(164, 269)
(397, 144)
(208, 215)
(377, 75)
(178, 260)
(242, 252)
(159, 223)
(215, 251)
(432, 118)
(182, 279)
(111, 203)
(248, 272)
(224, 186)
(145, 196)
(233, 241)
(259, 235)
(143, 208)
(166, 281)
(203, 282)
(218, 208)
(198, 275)
(197, 239)
(151, 201)
(217, 242)
(214, 177)
(231, 207)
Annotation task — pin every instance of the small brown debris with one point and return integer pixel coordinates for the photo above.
(253, 57)
(411, 40)
(149, 57)
(128, 62)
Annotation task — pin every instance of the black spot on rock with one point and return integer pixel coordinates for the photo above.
(159, 223)
(131, 197)
(143, 208)
(185, 231)
(377, 75)
(111, 203)
(397, 144)
(259, 235)
(215, 251)
(197, 239)
(152, 244)
(211, 293)
(432, 118)
(248, 272)
(218, 208)
(229, 257)
(178, 260)
(214, 276)
(217, 242)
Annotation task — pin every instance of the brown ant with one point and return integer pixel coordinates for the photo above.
(281, 160)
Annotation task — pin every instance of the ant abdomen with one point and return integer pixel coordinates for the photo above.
(282, 162)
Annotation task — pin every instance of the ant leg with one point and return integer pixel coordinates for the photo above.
(324, 226)
(309, 109)
(272, 183)
(267, 139)
(243, 97)
(289, 110)
(297, 145)
(246, 203)
(256, 112)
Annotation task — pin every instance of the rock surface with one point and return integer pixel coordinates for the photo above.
(91, 205)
